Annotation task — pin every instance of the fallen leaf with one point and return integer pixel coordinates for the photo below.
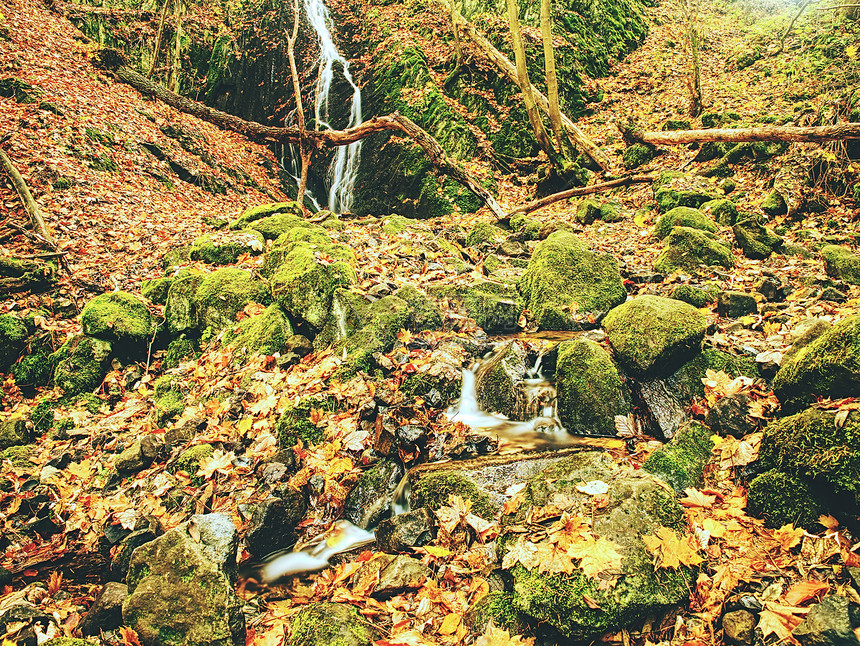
(696, 498)
(804, 591)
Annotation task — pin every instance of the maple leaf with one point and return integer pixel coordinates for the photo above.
(828, 521)
(596, 555)
(219, 461)
(497, 637)
(787, 536)
(129, 636)
(671, 550)
(696, 498)
(804, 591)
(407, 638)
(524, 552)
(553, 559)
(780, 620)
(450, 624)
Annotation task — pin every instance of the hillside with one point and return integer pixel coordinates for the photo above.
(627, 417)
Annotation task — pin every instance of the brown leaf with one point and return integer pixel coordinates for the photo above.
(804, 591)
(696, 498)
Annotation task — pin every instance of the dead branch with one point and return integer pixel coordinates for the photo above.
(27, 200)
(534, 205)
(764, 133)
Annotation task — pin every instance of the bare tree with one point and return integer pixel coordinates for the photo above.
(549, 66)
(304, 148)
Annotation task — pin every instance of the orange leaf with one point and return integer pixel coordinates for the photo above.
(804, 591)
(696, 498)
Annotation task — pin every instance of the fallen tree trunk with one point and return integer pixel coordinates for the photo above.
(33, 210)
(763, 133)
(583, 143)
(534, 205)
(112, 61)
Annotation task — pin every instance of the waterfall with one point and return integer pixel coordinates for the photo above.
(344, 167)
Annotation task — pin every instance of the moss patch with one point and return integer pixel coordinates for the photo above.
(841, 263)
(223, 293)
(295, 424)
(433, 491)
(81, 364)
(682, 461)
(782, 499)
(683, 216)
(119, 317)
(265, 333)
(690, 249)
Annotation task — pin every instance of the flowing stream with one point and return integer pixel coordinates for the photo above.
(344, 167)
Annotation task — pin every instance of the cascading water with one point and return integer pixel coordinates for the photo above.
(344, 167)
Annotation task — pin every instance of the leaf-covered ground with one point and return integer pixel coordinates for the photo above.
(116, 208)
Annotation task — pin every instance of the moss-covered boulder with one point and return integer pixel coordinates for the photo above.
(13, 432)
(681, 462)
(696, 296)
(636, 155)
(484, 232)
(494, 305)
(175, 259)
(303, 285)
(189, 460)
(225, 247)
(812, 447)
(13, 339)
(81, 364)
(499, 380)
(180, 309)
(424, 313)
(381, 322)
(295, 424)
(590, 390)
(119, 317)
(774, 204)
(829, 366)
(782, 499)
(683, 216)
(755, 240)
(261, 211)
(155, 290)
(652, 335)
(224, 293)
(434, 490)
(169, 398)
(639, 506)
(330, 624)
(691, 249)
(841, 263)
(564, 281)
(266, 333)
(588, 211)
(722, 210)
(526, 226)
(371, 497)
(672, 189)
(179, 349)
(181, 586)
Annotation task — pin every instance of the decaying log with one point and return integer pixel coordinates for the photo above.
(108, 59)
(633, 134)
(33, 210)
(534, 205)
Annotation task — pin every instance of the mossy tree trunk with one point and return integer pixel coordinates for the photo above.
(458, 49)
(694, 37)
(304, 149)
(176, 58)
(549, 65)
(158, 36)
(525, 84)
(763, 133)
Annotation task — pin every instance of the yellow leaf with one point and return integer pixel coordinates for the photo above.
(671, 551)
(851, 51)
(244, 425)
(780, 620)
(498, 637)
(696, 498)
(81, 470)
(714, 527)
(450, 624)
(828, 521)
(438, 552)
(596, 555)
(787, 536)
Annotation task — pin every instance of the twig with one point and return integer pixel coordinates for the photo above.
(582, 190)
(27, 199)
(32, 256)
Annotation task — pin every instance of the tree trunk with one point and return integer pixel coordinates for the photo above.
(525, 84)
(583, 143)
(304, 152)
(458, 49)
(176, 63)
(29, 203)
(763, 133)
(316, 138)
(534, 205)
(549, 66)
(791, 25)
(157, 46)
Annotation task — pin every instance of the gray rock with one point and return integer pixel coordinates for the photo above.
(736, 304)
(840, 263)
(138, 456)
(273, 523)
(496, 381)
(27, 614)
(513, 248)
(387, 575)
(370, 499)
(182, 584)
(829, 623)
(13, 432)
(324, 624)
(730, 416)
(399, 533)
(106, 612)
(652, 335)
(739, 626)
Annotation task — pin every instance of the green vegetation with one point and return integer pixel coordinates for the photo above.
(433, 491)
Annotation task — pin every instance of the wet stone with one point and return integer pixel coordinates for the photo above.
(729, 416)
(391, 574)
(273, 523)
(739, 626)
(736, 304)
(411, 434)
(832, 622)
(106, 612)
(401, 532)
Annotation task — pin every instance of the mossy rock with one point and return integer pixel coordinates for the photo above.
(782, 499)
(677, 124)
(696, 296)
(225, 247)
(13, 432)
(303, 285)
(497, 607)
(690, 249)
(756, 241)
(525, 225)
(434, 490)
(828, 367)
(370, 499)
(394, 224)
(722, 210)
(564, 281)
(189, 460)
(682, 461)
(330, 624)
(21, 91)
(295, 424)
(382, 320)
(493, 304)
(261, 211)
(266, 333)
(774, 204)
(841, 263)
(683, 216)
(590, 390)
(180, 309)
(688, 379)
(672, 189)
(223, 294)
(180, 349)
(652, 335)
(169, 404)
(81, 364)
(155, 290)
(639, 505)
(637, 155)
(424, 312)
(611, 212)
(588, 211)
(19, 456)
(497, 380)
(175, 259)
(13, 339)
(811, 446)
(119, 317)
(484, 232)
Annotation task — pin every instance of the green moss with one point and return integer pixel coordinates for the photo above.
(223, 294)
(424, 314)
(689, 249)
(722, 210)
(266, 210)
(433, 491)
(498, 607)
(564, 281)
(782, 499)
(681, 462)
(529, 227)
(484, 231)
(44, 417)
(19, 456)
(382, 321)
(588, 211)
(81, 364)
(683, 216)
(169, 399)
(638, 154)
(175, 259)
(590, 390)
(689, 376)
(330, 624)
(394, 224)
(189, 460)
(840, 263)
(652, 335)
(756, 241)
(828, 367)
(774, 204)
(13, 339)
(265, 333)
(225, 249)
(695, 296)
(295, 424)
(67, 641)
(155, 290)
(120, 317)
